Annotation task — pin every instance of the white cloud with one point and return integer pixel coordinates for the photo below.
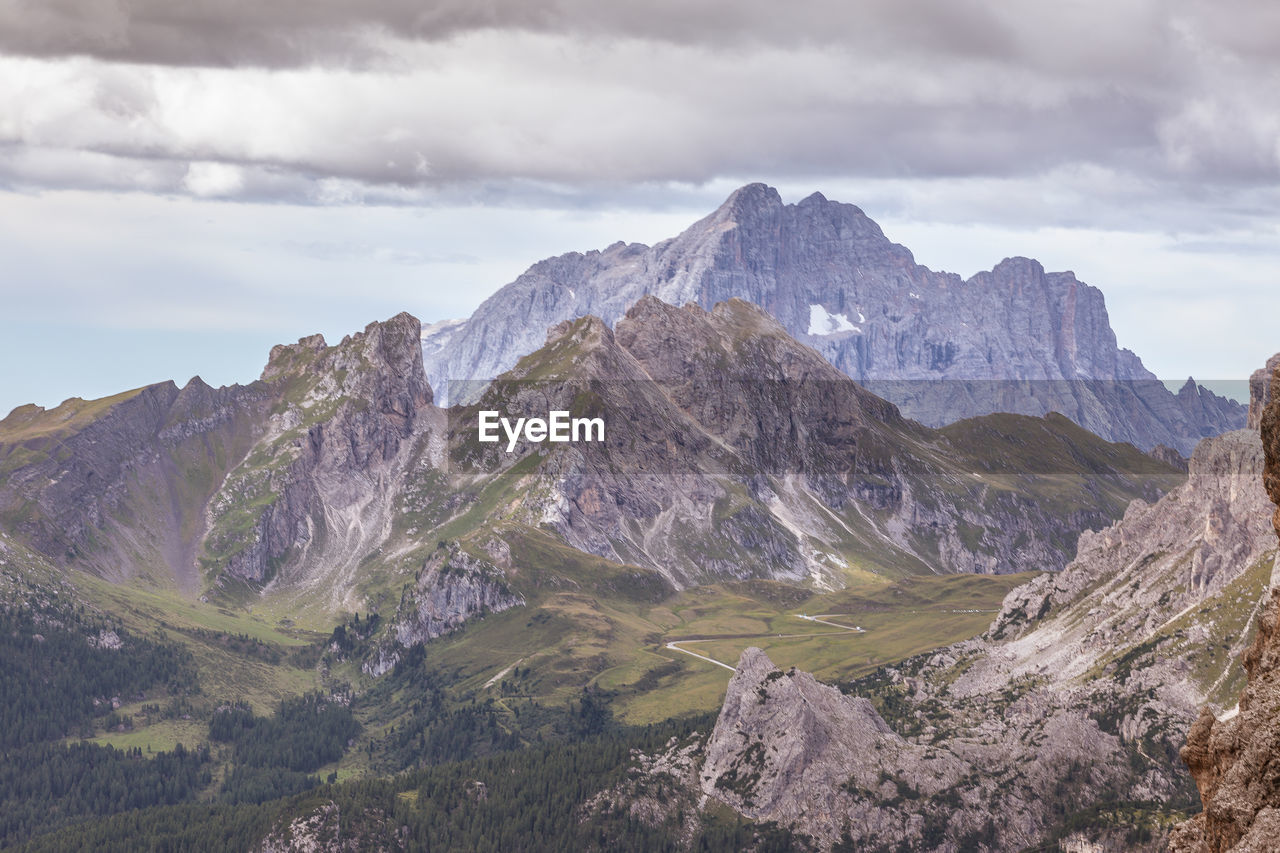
(210, 180)
(621, 97)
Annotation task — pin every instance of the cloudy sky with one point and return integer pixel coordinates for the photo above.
(185, 182)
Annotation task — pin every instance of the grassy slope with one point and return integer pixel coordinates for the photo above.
(28, 422)
(578, 629)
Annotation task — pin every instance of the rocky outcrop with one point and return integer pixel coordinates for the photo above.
(1170, 457)
(318, 491)
(786, 748)
(1235, 759)
(1078, 694)
(1014, 339)
(324, 829)
(789, 749)
(1260, 391)
(733, 450)
(1269, 424)
(452, 588)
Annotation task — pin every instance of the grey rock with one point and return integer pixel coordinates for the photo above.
(1260, 390)
(317, 492)
(1079, 693)
(735, 451)
(1234, 758)
(789, 749)
(1013, 339)
(452, 588)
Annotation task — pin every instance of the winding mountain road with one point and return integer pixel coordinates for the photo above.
(844, 629)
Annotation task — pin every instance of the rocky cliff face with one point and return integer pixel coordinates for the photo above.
(1260, 391)
(1077, 695)
(1234, 758)
(732, 450)
(451, 588)
(318, 491)
(1180, 552)
(291, 480)
(1022, 340)
(789, 749)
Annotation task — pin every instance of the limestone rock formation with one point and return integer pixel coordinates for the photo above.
(1260, 390)
(291, 480)
(1078, 694)
(452, 587)
(733, 450)
(1169, 456)
(789, 749)
(786, 748)
(319, 487)
(1014, 339)
(1235, 759)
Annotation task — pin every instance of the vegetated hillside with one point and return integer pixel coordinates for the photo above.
(1013, 339)
(124, 731)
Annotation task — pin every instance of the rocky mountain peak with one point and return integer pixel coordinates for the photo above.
(790, 749)
(282, 355)
(1260, 390)
(383, 361)
(751, 200)
(585, 331)
(1015, 269)
(940, 347)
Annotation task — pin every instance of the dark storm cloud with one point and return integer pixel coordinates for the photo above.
(291, 32)
(286, 33)
(332, 101)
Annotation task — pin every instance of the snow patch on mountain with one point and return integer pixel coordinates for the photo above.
(821, 322)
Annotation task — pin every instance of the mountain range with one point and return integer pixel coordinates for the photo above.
(733, 452)
(766, 608)
(1013, 339)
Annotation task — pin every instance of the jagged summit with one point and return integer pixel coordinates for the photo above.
(926, 340)
(290, 477)
(1260, 390)
(752, 198)
(726, 435)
